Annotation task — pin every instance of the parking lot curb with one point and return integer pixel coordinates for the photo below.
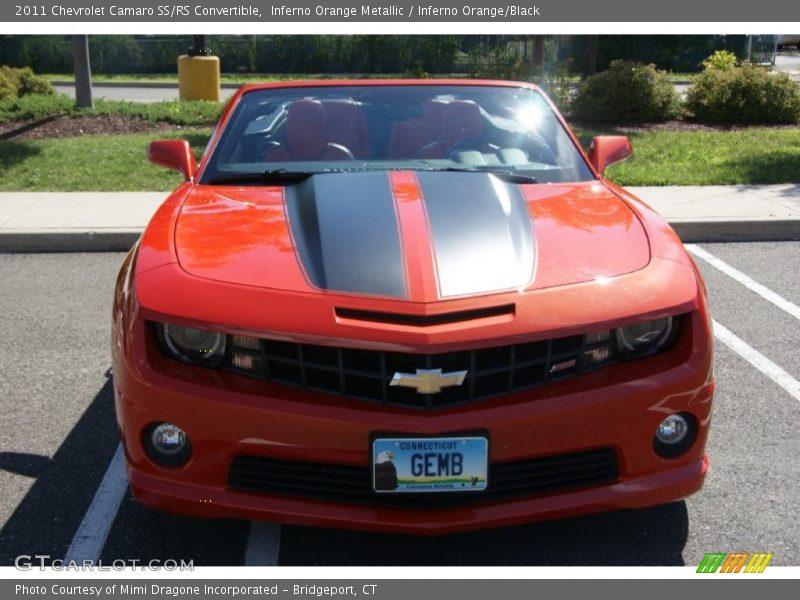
(754, 230)
(141, 84)
(122, 239)
(68, 240)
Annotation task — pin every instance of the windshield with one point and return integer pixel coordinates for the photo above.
(285, 132)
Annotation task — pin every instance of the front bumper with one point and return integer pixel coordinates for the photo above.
(227, 415)
(204, 501)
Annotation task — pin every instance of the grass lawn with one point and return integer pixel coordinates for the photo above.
(746, 156)
(117, 163)
(89, 163)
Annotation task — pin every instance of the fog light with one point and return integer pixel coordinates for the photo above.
(672, 430)
(674, 435)
(167, 444)
(168, 438)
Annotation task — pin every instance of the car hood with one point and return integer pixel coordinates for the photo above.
(419, 236)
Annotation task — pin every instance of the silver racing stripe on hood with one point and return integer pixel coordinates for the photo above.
(344, 227)
(481, 230)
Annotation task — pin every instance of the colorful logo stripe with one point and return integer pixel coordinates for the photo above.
(734, 562)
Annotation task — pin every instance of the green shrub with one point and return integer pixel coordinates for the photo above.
(24, 82)
(417, 71)
(627, 92)
(721, 59)
(39, 106)
(491, 62)
(7, 87)
(197, 112)
(744, 95)
(35, 106)
(29, 84)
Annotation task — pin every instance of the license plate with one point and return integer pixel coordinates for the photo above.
(448, 464)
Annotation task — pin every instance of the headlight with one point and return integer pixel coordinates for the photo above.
(644, 339)
(190, 345)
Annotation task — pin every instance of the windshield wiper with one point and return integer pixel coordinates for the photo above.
(505, 175)
(279, 176)
(512, 176)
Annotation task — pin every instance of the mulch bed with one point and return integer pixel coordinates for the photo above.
(57, 127)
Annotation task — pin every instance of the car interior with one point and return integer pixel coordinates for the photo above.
(380, 130)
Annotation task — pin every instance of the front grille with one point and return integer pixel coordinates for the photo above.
(348, 484)
(365, 374)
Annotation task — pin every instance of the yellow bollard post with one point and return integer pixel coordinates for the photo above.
(198, 78)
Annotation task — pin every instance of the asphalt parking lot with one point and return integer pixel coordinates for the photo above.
(58, 438)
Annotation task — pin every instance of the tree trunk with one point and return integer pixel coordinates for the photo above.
(83, 72)
(538, 51)
(590, 55)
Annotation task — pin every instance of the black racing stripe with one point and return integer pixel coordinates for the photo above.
(345, 230)
(482, 232)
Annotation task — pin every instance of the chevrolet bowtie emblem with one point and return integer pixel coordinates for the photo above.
(428, 381)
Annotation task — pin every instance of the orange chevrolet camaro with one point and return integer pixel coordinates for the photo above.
(407, 306)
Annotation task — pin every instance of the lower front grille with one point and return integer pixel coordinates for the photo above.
(349, 484)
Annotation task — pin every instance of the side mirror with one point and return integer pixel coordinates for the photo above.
(608, 149)
(173, 154)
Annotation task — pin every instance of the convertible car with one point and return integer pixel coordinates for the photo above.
(407, 306)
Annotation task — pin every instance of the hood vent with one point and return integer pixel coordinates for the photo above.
(424, 320)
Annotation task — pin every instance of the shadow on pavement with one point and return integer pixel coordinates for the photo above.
(21, 463)
(49, 515)
(47, 518)
(791, 192)
(653, 536)
(144, 534)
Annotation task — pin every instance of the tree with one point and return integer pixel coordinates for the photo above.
(590, 55)
(83, 72)
(538, 52)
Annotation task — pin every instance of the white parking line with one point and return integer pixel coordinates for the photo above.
(92, 533)
(263, 544)
(758, 360)
(745, 280)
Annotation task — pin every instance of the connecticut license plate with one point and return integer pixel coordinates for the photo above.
(447, 464)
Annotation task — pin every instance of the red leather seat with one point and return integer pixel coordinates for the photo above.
(347, 126)
(440, 127)
(461, 120)
(407, 137)
(307, 136)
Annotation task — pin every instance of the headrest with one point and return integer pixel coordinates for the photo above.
(306, 129)
(461, 119)
(432, 110)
